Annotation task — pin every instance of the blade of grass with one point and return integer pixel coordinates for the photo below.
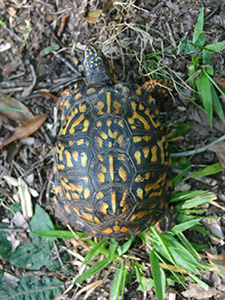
(199, 25)
(180, 176)
(213, 169)
(158, 276)
(93, 252)
(185, 226)
(117, 283)
(100, 265)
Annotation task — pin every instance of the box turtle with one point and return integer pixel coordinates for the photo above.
(112, 166)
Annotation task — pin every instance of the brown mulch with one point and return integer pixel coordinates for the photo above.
(36, 79)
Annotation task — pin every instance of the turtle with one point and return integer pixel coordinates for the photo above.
(112, 165)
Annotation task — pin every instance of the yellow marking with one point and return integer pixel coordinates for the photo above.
(86, 216)
(146, 151)
(68, 196)
(139, 117)
(86, 125)
(91, 91)
(138, 91)
(78, 188)
(121, 157)
(75, 123)
(147, 138)
(160, 143)
(123, 173)
(126, 89)
(155, 123)
(113, 201)
(83, 159)
(124, 229)
(99, 195)
(58, 189)
(78, 96)
(110, 144)
(80, 142)
(116, 226)
(123, 202)
(137, 139)
(59, 150)
(100, 158)
(99, 141)
(100, 106)
(137, 156)
(154, 156)
(109, 123)
(139, 215)
(66, 207)
(108, 101)
(75, 196)
(67, 104)
(111, 134)
(111, 167)
(107, 230)
(68, 159)
(99, 124)
(139, 178)
(141, 106)
(75, 155)
(71, 143)
(117, 106)
(159, 183)
(103, 135)
(101, 177)
(140, 193)
(120, 140)
(82, 107)
(96, 220)
(133, 127)
(102, 168)
(121, 123)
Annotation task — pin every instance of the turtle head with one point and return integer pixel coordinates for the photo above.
(97, 68)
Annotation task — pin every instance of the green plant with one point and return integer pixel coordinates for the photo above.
(200, 70)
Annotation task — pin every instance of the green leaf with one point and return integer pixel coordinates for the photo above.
(2, 23)
(180, 176)
(199, 26)
(93, 252)
(126, 246)
(200, 40)
(117, 283)
(200, 282)
(213, 169)
(31, 288)
(217, 105)
(190, 48)
(216, 47)
(200, 200)
(206, 96)
(112, 248)
(185, 226)
(40, 250)
(6, 248)
(181, 196)
(182, 45)
(93, 270)
(158, 276)
(146, 284)
(205, 56)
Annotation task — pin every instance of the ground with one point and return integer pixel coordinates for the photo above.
(41, 47)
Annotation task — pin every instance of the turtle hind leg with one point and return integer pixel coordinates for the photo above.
(157, 88)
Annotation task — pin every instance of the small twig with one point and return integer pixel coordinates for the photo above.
(66, 62)
(199, 150)
(57, 253)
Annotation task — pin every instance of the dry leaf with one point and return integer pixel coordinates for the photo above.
(10, 68)
(47, 95)
(93, 15)
(220, 82)
(9, 103)
(219, 149)
(25, 199)
(217, 261)
(195, 291)
(24, 130)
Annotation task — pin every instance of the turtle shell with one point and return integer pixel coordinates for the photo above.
(112, 166)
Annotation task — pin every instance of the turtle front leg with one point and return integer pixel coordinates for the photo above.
(157, 88)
